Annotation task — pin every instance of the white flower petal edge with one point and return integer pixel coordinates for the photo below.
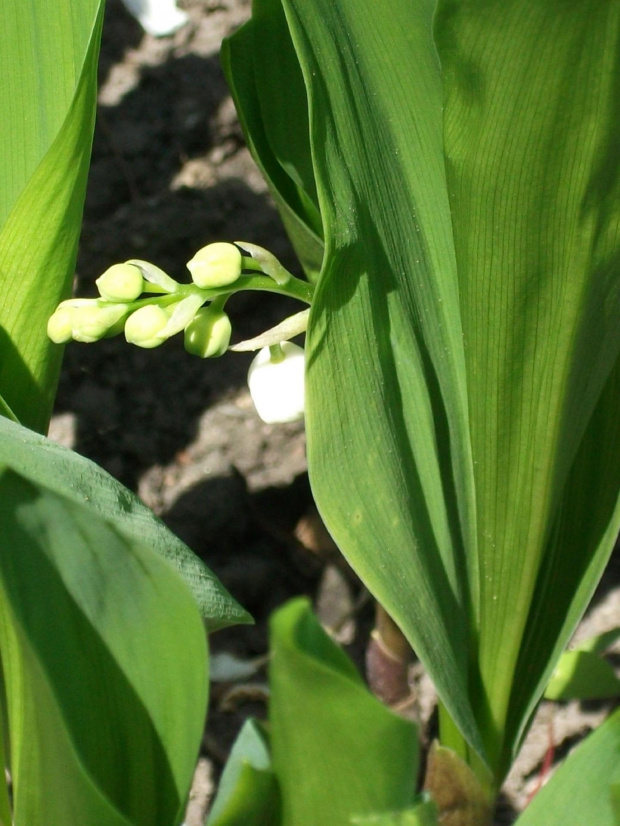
(157, 17)
(277, 388)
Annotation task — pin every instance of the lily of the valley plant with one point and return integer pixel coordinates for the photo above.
(448, 172)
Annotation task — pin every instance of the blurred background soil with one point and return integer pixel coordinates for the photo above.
(170, 173)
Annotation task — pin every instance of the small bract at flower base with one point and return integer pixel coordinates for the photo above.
(276, 382)
(216, 265)
(120, 282)
(142, 326)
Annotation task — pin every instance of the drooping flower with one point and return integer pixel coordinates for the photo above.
(276, 381)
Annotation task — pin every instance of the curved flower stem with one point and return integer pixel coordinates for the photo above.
(294, 287)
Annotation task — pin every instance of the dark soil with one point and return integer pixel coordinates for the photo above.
(170, 173)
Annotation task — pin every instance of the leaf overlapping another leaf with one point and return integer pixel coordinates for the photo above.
(463, 343)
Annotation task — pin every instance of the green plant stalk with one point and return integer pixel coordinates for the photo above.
(451, 737)
(294, 288)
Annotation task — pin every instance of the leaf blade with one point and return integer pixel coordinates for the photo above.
(79, 480)
(386, 405)
(130, 741)
(43, 187)
(321, 714)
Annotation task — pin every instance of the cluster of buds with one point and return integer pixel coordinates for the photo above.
(149, 306)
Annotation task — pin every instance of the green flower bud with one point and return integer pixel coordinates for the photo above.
(120, 282)
(60, 326)
(208, 334)
(94, 321)
(143, 326)
(216, 265)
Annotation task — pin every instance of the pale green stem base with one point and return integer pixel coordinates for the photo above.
(451, 737)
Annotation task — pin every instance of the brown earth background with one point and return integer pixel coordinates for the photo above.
(170, 173)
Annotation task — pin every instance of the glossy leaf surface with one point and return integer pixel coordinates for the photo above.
(336, 750)
(581, 675)
(248, 793)
(48, 62)
(104, 666)
(258, 58)
(86, 484)
(584, 790)
(463, 378)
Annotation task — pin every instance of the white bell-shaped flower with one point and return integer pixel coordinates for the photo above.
(276, 381)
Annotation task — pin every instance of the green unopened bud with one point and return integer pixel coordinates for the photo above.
(208, 334)
(60, 326)
(216, 265)
(94, 321)
(120, 282)
(143, 326)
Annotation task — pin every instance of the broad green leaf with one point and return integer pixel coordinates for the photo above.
(532, 157)
(84, 483)
(280, 145)
(557, 605)
(105, 675)
(583, 790)
(275, 61)
(336, 750)
(615, 800)
(581, 675)
(387, 412)
(248, 791)
(463, 343)
(48, 60)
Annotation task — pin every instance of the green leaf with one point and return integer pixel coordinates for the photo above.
(463, 373)
(83, 482)
(615, 800)
(248, 791)
(336, 750)
(387, 411)
(424, 814)
(583, 790)
(581, 675)
(104, 663)
(258, 58)
(601, 642)
(532, 157)
(6, 411)
(48, 61)
(5, 803)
